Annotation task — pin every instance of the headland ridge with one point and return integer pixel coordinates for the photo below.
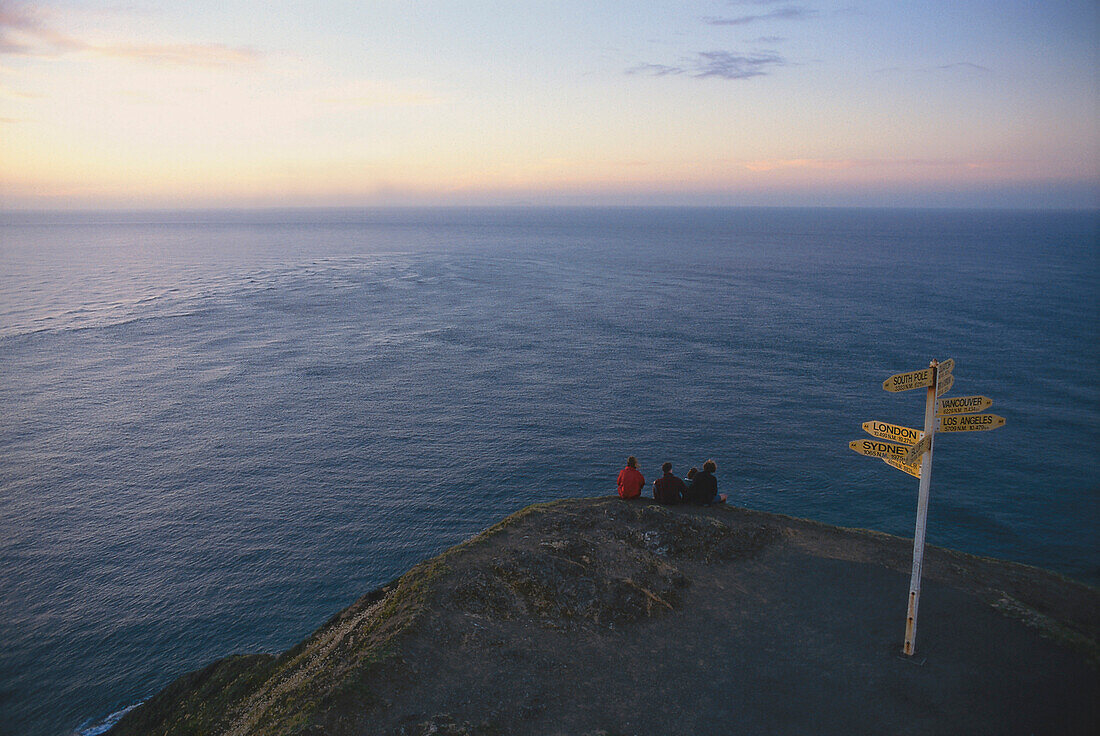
(603, 616)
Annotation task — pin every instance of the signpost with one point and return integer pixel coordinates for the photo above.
(914, 456)
(922, 513)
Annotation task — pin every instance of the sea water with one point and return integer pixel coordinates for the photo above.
(218, 429)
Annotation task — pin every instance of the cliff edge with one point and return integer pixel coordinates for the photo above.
(599, 616)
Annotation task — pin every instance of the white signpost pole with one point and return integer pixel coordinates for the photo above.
(922, 515)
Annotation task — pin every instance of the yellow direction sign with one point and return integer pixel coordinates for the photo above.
(962, 405)
(917, 450)
(913, 470)
(910, 380)
(874, 448)
(893, 432)
(971, 423)
(946, 367)
(943, 385)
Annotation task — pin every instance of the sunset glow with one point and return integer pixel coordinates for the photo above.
(359, 104)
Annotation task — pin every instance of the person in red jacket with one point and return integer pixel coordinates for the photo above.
(631, 480)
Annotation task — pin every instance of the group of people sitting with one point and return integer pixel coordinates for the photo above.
(700, 490)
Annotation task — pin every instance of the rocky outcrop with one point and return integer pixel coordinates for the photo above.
(605, 616)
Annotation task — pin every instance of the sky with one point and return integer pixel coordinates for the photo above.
(223, 103)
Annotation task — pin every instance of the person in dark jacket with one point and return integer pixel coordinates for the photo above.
(668, 489)
(703, 490)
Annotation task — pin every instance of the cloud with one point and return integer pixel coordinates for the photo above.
(964, 66)
(787, 12)
(181, 54)
(958, 66)
(15, 22)
(716, 64)
(13, 16)
(769, 39)
(834, 164)
(24, 32)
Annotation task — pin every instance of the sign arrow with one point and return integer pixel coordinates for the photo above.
(962, 405)
(893, 432)
(913, 470)
(875, 448)
(971, 423)
(908, 381)
(917, 450)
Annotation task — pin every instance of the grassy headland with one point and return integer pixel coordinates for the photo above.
(603, 616)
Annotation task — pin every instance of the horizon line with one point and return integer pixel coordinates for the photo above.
(535, 206)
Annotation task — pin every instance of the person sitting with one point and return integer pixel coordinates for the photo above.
(668, 489)
(703, 490)
(631, 480)
(691, 474)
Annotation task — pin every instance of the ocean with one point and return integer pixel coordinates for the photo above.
(219, 428)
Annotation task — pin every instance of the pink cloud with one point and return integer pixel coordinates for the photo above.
(193, 54)
(25, 32)
(826, 164)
